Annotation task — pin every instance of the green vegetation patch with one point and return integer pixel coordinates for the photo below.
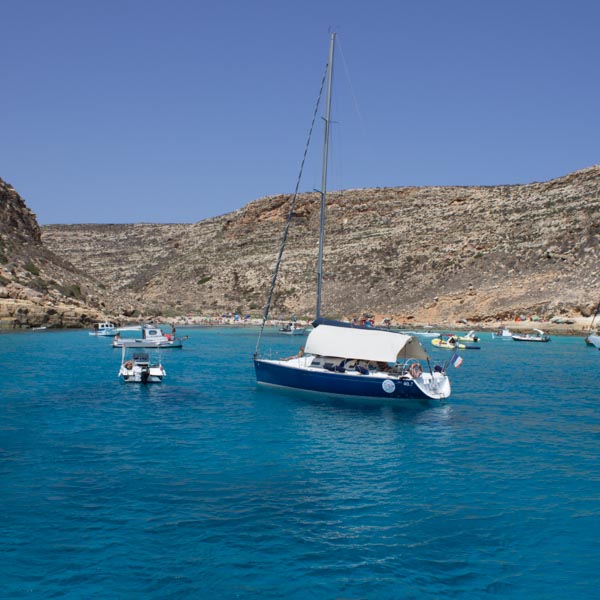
(3, 257)
(32, 269)
(71, 291)
(39, 285)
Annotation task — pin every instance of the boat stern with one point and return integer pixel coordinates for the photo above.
(435, 385)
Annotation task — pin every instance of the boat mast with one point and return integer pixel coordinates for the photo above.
(324, 175)
(594, 317)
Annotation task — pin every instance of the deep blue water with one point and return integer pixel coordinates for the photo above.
(206, 487)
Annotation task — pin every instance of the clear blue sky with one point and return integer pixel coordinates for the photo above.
(125, 111)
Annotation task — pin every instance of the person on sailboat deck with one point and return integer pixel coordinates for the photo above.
(299, 355)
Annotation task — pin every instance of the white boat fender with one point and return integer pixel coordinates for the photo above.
(415, 370)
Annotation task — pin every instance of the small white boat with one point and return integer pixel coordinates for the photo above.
(503, 334)
(426, 334)
(468, 337)
(139, 367)
(594, 340)
(152, 337)
(538, 336)
(292, 329)
(105, 329)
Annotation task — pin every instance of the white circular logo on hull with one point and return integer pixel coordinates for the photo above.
(388, 386)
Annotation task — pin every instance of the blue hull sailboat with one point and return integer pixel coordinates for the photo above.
(354, 361)
(347, 360)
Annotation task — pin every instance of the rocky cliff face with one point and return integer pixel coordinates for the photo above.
(427, 254)
(38, 287)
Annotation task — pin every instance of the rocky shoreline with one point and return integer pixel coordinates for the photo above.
(72, 319)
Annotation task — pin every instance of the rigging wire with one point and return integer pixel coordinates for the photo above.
(352, 93)
(369, 151)
(290, 214)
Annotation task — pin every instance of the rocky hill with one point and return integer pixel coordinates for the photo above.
(38, 287)
(431, 254)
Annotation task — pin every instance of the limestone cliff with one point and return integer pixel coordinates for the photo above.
(38, 287)
(428, 254)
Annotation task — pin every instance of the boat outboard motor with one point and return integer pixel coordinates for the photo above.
(145, 374)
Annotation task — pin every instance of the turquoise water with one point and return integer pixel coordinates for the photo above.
(206, 487)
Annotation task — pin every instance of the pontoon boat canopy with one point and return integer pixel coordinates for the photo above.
(363, 344)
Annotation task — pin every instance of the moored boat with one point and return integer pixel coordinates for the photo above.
(344, 359)
(139, 367)
(292, 329)
(538, 336)
(593, 339)
(152, 337)
(450, 341)
(427, 334)
(504, 333)
(468, 337)
(104, 329)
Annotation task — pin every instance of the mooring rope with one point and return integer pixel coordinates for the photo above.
(290, 215)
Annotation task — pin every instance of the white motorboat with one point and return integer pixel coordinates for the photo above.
(538, 336)
(152, 337)
(593, 339)
(293, 329)
(468, 337)
(503, 333)
(140, 367)
(426, 334)
(104, 329)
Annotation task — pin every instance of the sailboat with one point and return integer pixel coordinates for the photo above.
(342, 359)
(593, 339)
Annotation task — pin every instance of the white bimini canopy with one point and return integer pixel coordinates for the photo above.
(363, 344)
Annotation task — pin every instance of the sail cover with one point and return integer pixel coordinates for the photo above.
(363, 344)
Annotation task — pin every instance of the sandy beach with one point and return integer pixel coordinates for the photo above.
(570, 326)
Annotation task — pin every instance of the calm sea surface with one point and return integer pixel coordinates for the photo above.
(206, 487)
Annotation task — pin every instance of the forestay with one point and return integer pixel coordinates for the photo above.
(363, 344)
